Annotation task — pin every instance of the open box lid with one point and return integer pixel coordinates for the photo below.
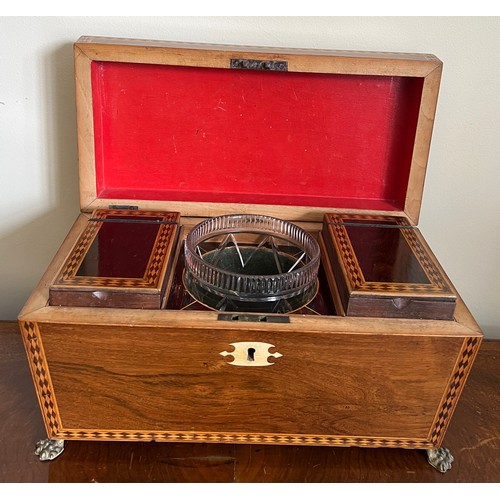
(205, 130)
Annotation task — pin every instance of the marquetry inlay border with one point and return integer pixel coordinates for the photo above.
(338, 225)
(55, 430)
(469, 350)
(41, 377)
(244, 438)
(50, 413)
(167, 231)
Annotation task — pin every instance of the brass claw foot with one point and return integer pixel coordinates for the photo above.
(440, 458)
(49, 449)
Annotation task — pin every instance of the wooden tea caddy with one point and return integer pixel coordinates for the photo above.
(204, 130)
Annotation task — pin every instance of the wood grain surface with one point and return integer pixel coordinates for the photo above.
(473, 437)
(349, 388)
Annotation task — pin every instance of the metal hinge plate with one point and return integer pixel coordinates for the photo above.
(259, 64)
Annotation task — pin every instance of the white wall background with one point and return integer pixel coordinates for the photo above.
(38, 157)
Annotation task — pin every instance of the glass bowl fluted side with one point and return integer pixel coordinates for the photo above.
(254, 258)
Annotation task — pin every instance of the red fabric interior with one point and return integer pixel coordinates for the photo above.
(246, 136)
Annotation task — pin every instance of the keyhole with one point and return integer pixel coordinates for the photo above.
(251, 353)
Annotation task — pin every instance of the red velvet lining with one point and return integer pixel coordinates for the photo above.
(243, 136)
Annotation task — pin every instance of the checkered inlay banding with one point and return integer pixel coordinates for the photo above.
(53, 423)
(151, 279)
(430, 269)
(157, 259)
(348, 257)
(245, 438)
(41, 377)
(73, 263)
(457, 381)
(353, 270)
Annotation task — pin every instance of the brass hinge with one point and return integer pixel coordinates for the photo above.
(123, 207)
(259, 64)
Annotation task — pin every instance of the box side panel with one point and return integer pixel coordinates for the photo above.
(178, 384)
(101, 298)
(400, 307)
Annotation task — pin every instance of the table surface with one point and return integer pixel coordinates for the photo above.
(473, 438)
